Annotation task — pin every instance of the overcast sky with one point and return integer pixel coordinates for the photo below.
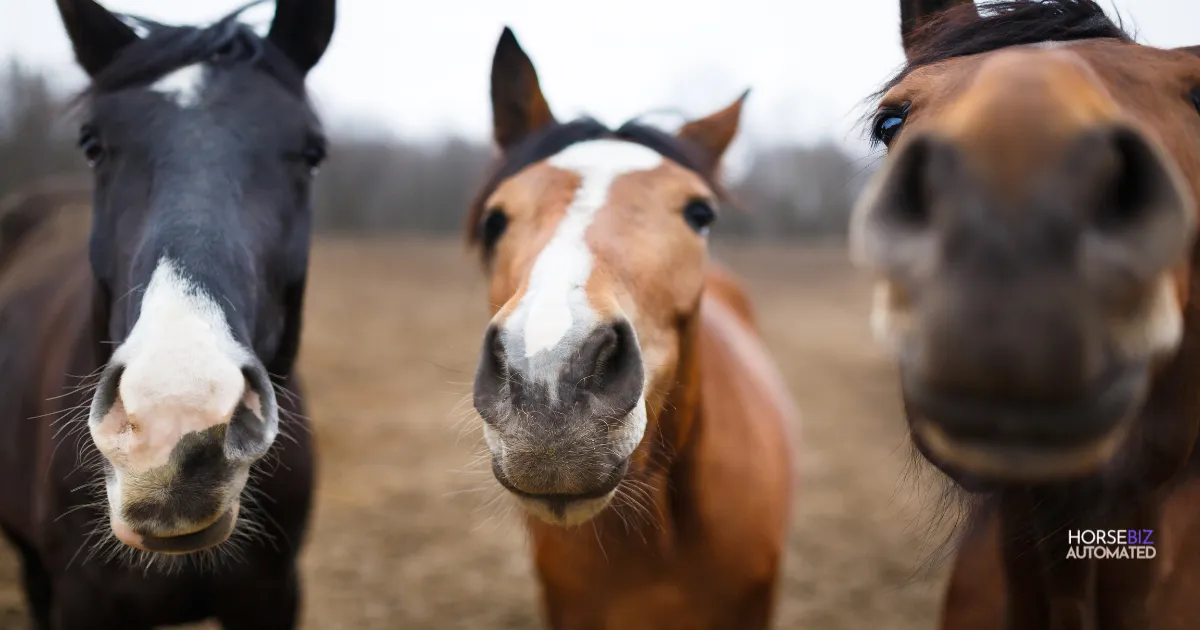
(420, 67)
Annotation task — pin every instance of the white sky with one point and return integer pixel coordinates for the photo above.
(420, 67)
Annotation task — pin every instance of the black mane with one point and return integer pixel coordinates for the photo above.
(555, 138)
(969, 30)
(164, 49)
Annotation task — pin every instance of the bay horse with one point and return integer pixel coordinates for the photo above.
(177, 291)
(628, 403)
(1032, 235)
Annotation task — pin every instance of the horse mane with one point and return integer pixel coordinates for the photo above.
(161, 49)
(969, 30)
(556, 137)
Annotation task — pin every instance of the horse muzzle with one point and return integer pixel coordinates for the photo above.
(1013, 440)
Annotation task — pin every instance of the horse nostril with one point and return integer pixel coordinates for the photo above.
(1133, 182)
(609, 360)
(254, 422)
(495, 350)
(602, 347)
(107, 390)
(924, 168)
(894, 219)
(492, 375)
(1137, 209)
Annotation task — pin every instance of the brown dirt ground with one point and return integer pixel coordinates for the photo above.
(406, 534)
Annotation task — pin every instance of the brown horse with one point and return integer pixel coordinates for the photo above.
(1032, 234)
(628, 403)
(174, 290)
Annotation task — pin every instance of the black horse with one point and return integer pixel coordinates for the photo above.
(134, 498)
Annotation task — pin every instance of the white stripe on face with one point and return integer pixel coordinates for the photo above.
(182, 373)
(184, 86)
(555, 299)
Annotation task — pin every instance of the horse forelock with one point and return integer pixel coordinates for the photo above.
(165, 49)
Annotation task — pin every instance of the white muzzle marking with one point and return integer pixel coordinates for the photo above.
(182, 373)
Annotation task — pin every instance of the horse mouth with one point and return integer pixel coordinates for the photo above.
(1010, 440)
(565, 509)
(206, 537)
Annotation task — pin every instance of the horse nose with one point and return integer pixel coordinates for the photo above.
(1015, 287)
(141, 416)
(1112, 202)
(600, 370)
(561, 421)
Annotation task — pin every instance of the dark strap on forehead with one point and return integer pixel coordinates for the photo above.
(558, 137)
(546, 144)
(668, 146)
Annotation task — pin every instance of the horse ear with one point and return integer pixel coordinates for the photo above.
(96, 35)
(713, 134)
(518, 106)
(914, 12)
(302, 30)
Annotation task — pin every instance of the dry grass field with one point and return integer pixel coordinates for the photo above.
(406, 533)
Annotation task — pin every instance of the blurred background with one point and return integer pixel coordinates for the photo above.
(409, 530)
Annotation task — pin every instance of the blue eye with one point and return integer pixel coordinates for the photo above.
(888, 123)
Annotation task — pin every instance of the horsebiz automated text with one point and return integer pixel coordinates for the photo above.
(1111, 544)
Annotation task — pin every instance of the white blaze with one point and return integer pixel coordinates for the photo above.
(183, 86)
(1052, 45)
(556, 292)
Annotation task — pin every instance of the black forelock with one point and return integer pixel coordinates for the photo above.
(557, 137)
(970, 30)
(162, 49)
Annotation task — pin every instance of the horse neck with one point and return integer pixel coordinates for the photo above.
(68, 368)
(679, 415)
(71, 348)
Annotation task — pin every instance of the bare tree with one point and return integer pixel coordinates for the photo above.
(792, 191)
(35, 140)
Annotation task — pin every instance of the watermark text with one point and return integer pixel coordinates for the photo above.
(1111, 544)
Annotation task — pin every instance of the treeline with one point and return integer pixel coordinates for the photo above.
(378, 183)
(35, 135)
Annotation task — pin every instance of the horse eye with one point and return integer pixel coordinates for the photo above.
(1196, 98)
(888, 123)
(699, 215)
(313, 155)
(93, 149)
(493, 228)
